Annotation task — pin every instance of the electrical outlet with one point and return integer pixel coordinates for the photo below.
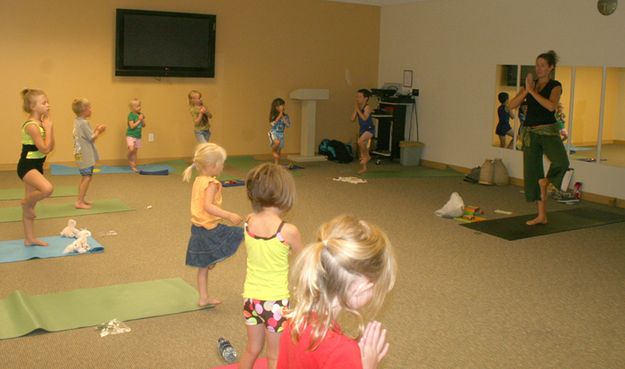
(150, 137)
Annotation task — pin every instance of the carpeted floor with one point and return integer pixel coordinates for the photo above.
(463, 299)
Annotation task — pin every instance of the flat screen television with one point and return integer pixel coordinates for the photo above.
(164, 44)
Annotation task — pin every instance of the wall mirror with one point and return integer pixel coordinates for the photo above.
(593, 102)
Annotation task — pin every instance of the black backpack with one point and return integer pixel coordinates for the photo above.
(343, 155)
(327, 150)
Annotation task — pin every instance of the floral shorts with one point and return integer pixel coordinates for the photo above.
(270, 313)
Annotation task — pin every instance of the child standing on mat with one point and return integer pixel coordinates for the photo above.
(201, 116)
(504, 114)
(211, 241)
(366, 130)
(350, 269)
(136, 122)
(37, 142)
(85, 152)
(268, 240)
(279, 120)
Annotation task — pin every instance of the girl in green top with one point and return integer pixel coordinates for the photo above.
(37, 142)
(136, 122)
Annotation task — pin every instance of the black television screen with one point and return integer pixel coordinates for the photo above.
(164, 44)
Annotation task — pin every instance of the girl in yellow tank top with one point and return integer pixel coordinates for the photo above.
(37, 142)
(269, 241)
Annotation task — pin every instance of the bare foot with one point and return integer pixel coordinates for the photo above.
(134, 169)
(208, 302)
(537, 220)
(82, 205)
(35, 242)
(363, 169)
(88, 202)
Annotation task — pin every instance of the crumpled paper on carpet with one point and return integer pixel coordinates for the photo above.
(113, 327)
(453, 208)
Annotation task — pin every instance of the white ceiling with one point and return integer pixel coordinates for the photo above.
(377, 2)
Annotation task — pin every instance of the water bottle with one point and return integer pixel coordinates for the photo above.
(226, 350)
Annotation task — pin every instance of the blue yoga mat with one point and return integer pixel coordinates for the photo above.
(64, 170)
(14, 250)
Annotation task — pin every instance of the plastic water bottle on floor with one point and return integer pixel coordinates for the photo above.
(226, 350)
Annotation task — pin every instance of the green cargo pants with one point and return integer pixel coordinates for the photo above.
(533, 170)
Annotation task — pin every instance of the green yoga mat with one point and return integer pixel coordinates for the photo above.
(14, 214)
(514, 228)
(243, 163)
(18, 193)
(21, 314)
(411, 173)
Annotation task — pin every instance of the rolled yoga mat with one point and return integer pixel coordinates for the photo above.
(43, 211)
(514, 228)
(15, 250)
(18, 193)
(21, 314)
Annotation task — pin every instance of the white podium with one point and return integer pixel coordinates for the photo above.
(308, 98)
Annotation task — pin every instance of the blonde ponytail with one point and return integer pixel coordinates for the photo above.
(188, 172)
(347, 248)
(206, 155)
(28, 96)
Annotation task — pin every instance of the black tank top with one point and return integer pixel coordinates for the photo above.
(536, 113)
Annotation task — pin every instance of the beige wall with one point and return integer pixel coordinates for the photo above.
(453, 46)
(265, 49)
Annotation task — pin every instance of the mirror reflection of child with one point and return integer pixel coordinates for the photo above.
(560, 122)
(504, 114)
(522, 115)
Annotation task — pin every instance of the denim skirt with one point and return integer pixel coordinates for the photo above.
(210, 246)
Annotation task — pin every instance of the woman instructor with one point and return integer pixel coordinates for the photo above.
(540, 134)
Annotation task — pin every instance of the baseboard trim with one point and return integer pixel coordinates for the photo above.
(588, 196)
